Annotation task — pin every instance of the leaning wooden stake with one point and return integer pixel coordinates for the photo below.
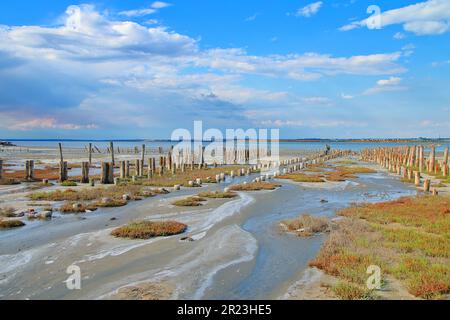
(111, 148)
(62, 165)
(90, 153)
(61, 159)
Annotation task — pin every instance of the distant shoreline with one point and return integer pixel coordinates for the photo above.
(311, 140)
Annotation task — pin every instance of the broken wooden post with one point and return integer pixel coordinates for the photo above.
(169, 161)
(63, 171)
(137, 169)
(104, 173)
(143, 153)
(107, 175)
(62, 165)
(29, 170)
(127, 169)
(90, 153)
(203, 155)
(445, 156)
(426, 185)
(421, 159)
(150, 169)
(111, 147)
(122, 170)
(1, 169)
(445, 170)
(61, 159)
(417, 178)
(432, 159)
(85, 172)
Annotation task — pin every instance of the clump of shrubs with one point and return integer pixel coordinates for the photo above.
(149, 229)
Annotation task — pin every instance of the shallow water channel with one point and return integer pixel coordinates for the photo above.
(238, 252)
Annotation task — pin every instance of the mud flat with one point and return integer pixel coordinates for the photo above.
(233, 248)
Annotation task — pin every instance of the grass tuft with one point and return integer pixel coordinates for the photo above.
(302, 177)
(149, 229)
(255, 186)
(306, 225)
(68, 184)
(349, 291)
(217, 195)
(7, 212)
(10, 224)
(189, 202)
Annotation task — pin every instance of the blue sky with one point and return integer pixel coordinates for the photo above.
(140, 69)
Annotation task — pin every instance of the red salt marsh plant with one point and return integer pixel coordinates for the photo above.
(408, 238)
(149, 229)
(89, 194)
(39, 174)
(182, 178)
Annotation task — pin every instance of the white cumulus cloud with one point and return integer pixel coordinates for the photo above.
(309, 10)
(430, 17)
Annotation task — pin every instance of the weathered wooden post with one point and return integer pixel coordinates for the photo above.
(122, 170)
(143, 153)
(111, 148)
(421, 159)
(445, 156)
(150, 169)
(29, 170)
(1, 169)
(137, 167)
(107, 175)
(90, 153)
(104, 173)
(426, 185)
(432, 159)
(203, 156)
(63, 171)
(170, 161)
(85, 172)
(61, 159)
(110, 173)
(417, 178)
(62, 165)
(127, 169)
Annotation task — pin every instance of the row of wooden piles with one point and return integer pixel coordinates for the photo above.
(410, 162)
(300, 163)
(172, 162)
